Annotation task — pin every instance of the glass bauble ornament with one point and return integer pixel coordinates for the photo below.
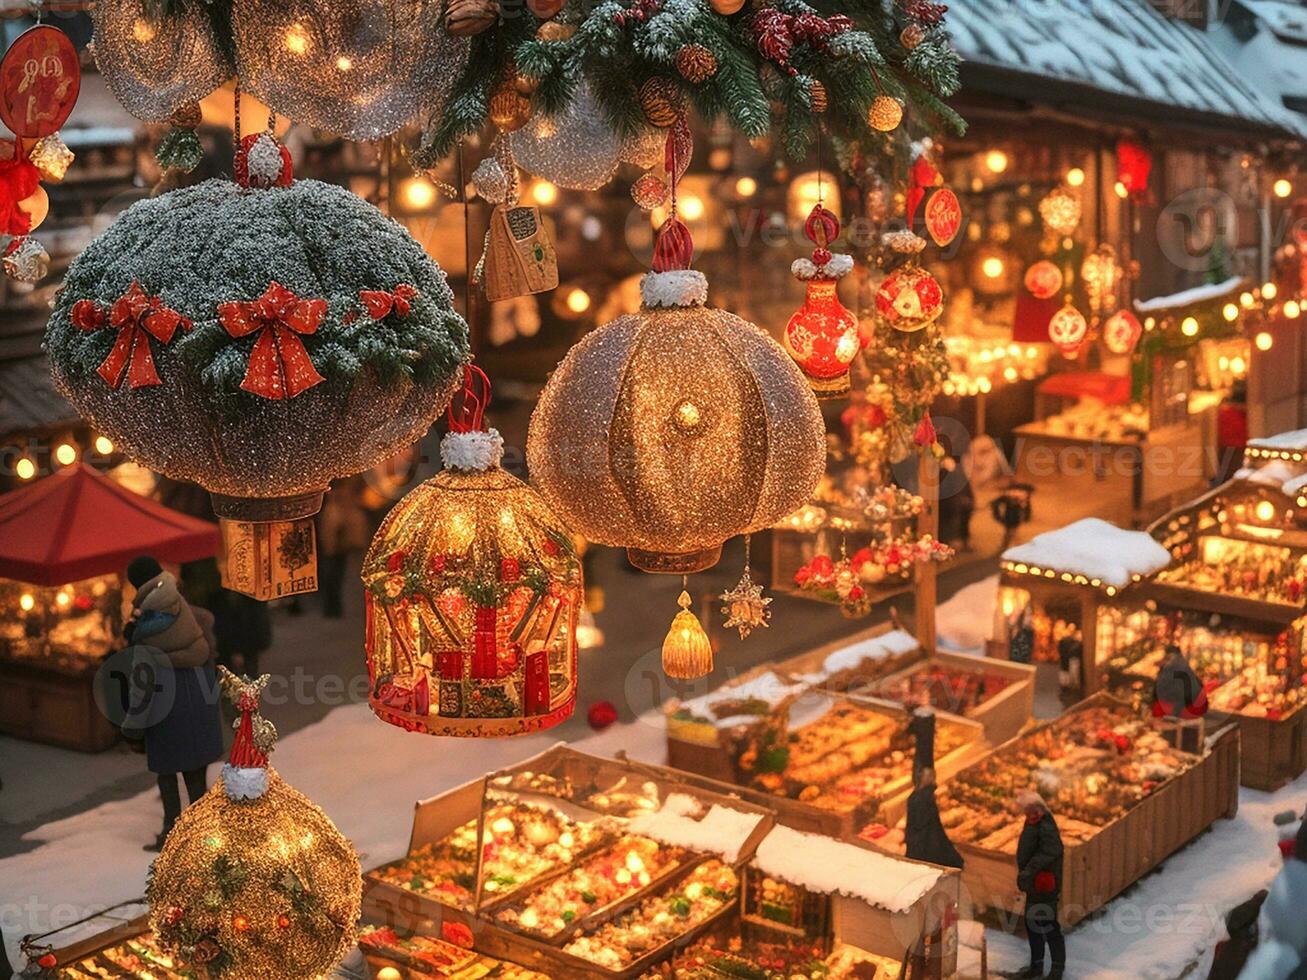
(154, 63)
(822, 335)
(650, 191)
(669, 430)
(1101, 272)
(885, 114)
(1067, 329)
(909, 299)
(1060, 210)
(359, 68)
(576, 149)
(1043, 279)
(1122, 331)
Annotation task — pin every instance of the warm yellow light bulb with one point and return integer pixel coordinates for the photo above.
(1291, 309)
(65, 454)
(62, 599)
(578, 301)
(1265, 511)
(419, 193)
(144, 30)
(1075, 176)
(1269, 290)
(1189, 327)
(25, 468)
(1230, 311)
(1121, 190)
(544, 193)
(746, 187)
(996, 161)
(1282, 188)
(297, 39)
(1246, 300)
(1264, 341)
(992, 267)
(104, 445)
(344, 63)
(691, 207)
(27, 601)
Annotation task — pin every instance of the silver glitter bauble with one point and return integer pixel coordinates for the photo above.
(358, 68)
(156, 64)
(576, 149)
(27, 261)
(669, 430)
(647, 149)
(491, 181)
(385, 340)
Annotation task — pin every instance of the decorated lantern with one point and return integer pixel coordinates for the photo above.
(1121, 332)
(254, 881)
(822, 336)
(909, 299)
(1060, 210)
(1101, 273)
(1067, 329)
(259, 341)
(1043, 279)
(473, 593)
(672, 429)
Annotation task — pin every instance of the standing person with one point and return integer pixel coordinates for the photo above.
(1070, 662)
(183, 729)
(925, 835)
(921, 726)
(1039, 875)
(342, 530)
(1231, 432)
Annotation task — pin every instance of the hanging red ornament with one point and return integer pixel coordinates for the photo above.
(822, 336)
(1121, 332)
(909, 299)
(1043, 279)
(601, 714)
(1067, 329)
(261, 161)
(943, 216)
(19, 181)
(40, 78)
(1134, 164)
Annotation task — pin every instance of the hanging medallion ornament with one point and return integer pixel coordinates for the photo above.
(40, 78)
(1101, 273)
(1060, 210)
(156, 65)
(687, 651)
(1122, 331)
(1067, 329)
(235, 338)
(822, 335)
(520, 258)
(909, 299)
(359, 68)
(473, 596)
(672, 429)
(745, 607)
(254, 881)
(942, 216)
(1043, 279)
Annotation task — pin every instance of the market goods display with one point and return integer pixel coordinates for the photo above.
(852, 581)
(1265, 572)
(259, 341)
(473, 593)
(660, 918)
(945, 688)
(254, 881)
(141, 956)
(718, 960)
(433, 956)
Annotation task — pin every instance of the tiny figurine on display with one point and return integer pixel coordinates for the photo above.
(822, 336)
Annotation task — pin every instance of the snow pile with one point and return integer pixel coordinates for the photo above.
(1188, 297)
(1294, 441)
(892, 644)
(722, 831)
(768, 687)
(827, 866)
(966, 621)
(1093, 548)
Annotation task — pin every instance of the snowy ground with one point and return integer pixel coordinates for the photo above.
(348, 761)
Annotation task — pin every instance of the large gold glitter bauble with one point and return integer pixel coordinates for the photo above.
(669, 430)
(256, 889)
(473, 593)
(885, 114)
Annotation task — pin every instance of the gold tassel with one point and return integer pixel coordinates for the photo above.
(687, 652)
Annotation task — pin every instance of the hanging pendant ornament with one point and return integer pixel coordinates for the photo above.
(885, 113)
(1068, 329)
(1043, 280)
(26, 260)
(746, 608)
(1122, 331)
(52, 157)
(909, 299)
(519, 259)
(491, 180)
(1060, 210)
(179, 149)
(1101, 273)
(822, 335)
(40, 78)
(687, 651)
(942, 216)
(261, 161)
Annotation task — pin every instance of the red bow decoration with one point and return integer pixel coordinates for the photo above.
(279, 364)
(137, 316)
(380, 304)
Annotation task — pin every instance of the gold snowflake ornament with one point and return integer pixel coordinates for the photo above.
(745, 606)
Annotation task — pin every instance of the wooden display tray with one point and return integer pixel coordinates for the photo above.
(1273, 750)
(1123, 851)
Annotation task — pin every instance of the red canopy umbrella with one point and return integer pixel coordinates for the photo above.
(79, 523)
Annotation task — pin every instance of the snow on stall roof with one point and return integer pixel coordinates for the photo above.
(721, 831)
(1093, 548)
(1294, 441)
(891, 644)
(768, 687)
(828, 866)
(1188, 297)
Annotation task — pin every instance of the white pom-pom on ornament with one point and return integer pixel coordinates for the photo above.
(264, 161)
(838, 267)
(677, 287)
(244, 784)
(472, 450)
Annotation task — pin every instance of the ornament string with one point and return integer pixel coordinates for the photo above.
(673, 245)
(472, 400)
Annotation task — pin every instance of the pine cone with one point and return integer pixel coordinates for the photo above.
(818, 98)
(660, 100)
(464, 18)
(696, 63)
(509, 109)
(912, 35)
(925, 11)
(188, 116)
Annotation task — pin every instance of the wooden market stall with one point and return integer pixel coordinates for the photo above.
(596, 868)
(1051, 590)
(64, 544)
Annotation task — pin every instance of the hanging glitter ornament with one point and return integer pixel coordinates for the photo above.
(1043, 280)
(1101, 274)
(650, 191)
(358, 68)
(746, 608)
(254, 880)
(576, 149)
(52, 157)
(942, 216)
(909, 299)
(1060, 210)
(885, 114)
(155, 63)
(473, 595)
(822, 335)
(26, 260)
(492, 181)
(1067, 329)
(1122, 331)
(687, 651)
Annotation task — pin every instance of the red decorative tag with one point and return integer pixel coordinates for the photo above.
(39, 81)
(943, 216)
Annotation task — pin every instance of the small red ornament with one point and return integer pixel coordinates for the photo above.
(909, 299)
(262, 162)
(40, 78)
(1134, 164)
(48, 961)
(395, 563)
(510, 569)
(601, 714)
(1122, 331)
(380, 304)
(925, 434)
(943, 216)
(174, 915)
(1043, 279)
(1067, 329)
(283, 921)
(240, 923)
(457, 933)
(822, 335)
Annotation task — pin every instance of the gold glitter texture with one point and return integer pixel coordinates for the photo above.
(687, 651)
(262, 889)
(666, 432)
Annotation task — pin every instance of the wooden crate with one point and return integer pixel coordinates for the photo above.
(53, 708)
(1099, 869)
(1274, 751)
(1004, 715)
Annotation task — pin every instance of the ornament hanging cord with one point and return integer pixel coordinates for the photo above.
(673, 245)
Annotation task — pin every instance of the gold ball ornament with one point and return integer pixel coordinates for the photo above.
(818, 97)
(726, 7)
(885, 114)
(509, 108)
(669, 430)
(466, 18)
(912, 35)
(696, 64)
(909, 299)
(1061, 211)
(661, 101)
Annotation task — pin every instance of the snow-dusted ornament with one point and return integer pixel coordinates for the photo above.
(26, 260)
(1043, 279)
(576, 149)
(52, 157)
(822, 335)
(1122, 331)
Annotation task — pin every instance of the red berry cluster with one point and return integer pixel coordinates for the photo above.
(925, 11)
(776, 33)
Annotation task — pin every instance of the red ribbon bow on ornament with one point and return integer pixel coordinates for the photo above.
(380, 304)
(137, 316)
(280, 366)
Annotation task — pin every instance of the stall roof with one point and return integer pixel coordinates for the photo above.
(1110, 57)
(681, 822)
(883, 647)
(830, 867)
(79, 523)
(1092, 549)
(1281, 443)
(1267, 41)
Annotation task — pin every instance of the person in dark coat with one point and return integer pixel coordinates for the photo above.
(1177, 692)
(921, 726)
(1039, 876)
(925, 835)
(181, 723)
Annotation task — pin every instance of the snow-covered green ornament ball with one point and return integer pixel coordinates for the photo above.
(257, 341)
